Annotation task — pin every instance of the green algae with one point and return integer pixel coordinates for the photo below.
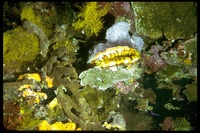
(175, 20)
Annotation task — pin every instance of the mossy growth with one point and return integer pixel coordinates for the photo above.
(166, 75)
(55, 114)
(28, 13)
(181, 124)
(29, 121)
(101, 102)
(191, 92)
(89, 19)
(72, 48)
(173, 19)
(19, 48)
(191, 46)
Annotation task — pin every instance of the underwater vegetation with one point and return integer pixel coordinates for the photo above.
(19, 48)
(191, 91)
(44, 125)
(155, 19)
(119, 49)
(179, 124)
(85, 24)
(106, 66)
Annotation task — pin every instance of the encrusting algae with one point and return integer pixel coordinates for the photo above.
(44, 125)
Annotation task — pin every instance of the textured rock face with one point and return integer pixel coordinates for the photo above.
(173, 19)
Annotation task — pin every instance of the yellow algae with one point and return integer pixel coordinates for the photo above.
(30, 93)
(53, 103)
(19, 48)
(33, 76)
(90, 18)
(188, 61)
(25, 86)
(49, 82)
(28, 13)
(44, 125)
